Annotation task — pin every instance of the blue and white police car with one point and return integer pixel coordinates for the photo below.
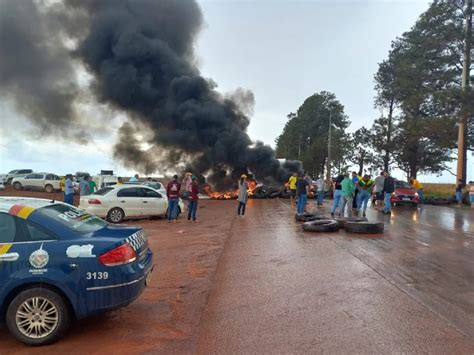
(59, 263)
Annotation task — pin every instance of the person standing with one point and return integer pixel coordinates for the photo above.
(92, 185)
(69, 190)
(347, 194)
(134, 178)
(355, 180)
(419, 189)
(292, 185)
(243, 195)
(302, 190)
(84, 187)
(172, 191)
(193, 199)
(320, 190)
(365, 190)
(459, 187)
(187, 181)
(337, 194)
(119, 181)
(388, 189)
(471, 193)
(378, 188)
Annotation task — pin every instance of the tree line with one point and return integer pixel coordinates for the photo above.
(418, 96)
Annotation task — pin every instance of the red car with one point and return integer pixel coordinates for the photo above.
(404, 194)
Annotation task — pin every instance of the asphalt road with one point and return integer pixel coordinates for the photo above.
(278, 289)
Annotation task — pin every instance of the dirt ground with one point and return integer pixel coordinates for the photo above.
(166, 316)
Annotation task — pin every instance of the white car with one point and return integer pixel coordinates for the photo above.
(15, 174)
(118, 202)
(38, 181)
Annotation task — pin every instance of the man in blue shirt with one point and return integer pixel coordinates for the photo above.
(134, 178)
(69, 190)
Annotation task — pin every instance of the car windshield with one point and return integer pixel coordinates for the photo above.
(402, 185)
(73, 218)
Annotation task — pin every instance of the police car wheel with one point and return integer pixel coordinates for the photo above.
(38, 316)
(115, 215)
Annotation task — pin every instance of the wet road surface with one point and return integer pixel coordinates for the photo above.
(278, 289)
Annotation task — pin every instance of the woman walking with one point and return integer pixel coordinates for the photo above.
(243, 195)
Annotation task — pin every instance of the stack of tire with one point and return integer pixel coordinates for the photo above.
(320, 223)
(263, 192)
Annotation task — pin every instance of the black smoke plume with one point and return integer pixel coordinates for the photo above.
(141, 56)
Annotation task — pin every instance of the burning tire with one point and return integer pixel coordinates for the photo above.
(323, 225)
(306, 217)
(343, 221)
(364, 227)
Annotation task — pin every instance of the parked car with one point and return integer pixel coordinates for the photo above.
(16, 173)
(38, 181)
(58, 264)
(404, 194)
(119, 202)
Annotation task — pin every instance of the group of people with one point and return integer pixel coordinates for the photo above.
(190, 194)
(87, 186)
(353, 192)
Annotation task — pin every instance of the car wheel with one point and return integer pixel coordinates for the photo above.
(115, 215)
(49, 188)
(324, 225)
(364, 227)
(38, 316)
(9, 181)
(17, 186)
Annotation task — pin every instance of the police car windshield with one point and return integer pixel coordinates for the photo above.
(73, 218)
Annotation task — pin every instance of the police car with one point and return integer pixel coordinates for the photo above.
(58, 263)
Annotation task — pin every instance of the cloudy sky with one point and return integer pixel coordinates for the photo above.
(282, 50)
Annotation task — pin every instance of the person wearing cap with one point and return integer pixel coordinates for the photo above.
(193, 199)
(172, 191)
(243, 195)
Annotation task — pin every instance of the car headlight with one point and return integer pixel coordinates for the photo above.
(394, 194)
(416, 194)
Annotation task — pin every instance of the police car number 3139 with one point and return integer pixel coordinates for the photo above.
(97, 275)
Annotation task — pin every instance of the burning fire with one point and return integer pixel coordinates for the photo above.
(228, 195)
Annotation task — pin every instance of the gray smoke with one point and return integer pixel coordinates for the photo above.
(141, 56)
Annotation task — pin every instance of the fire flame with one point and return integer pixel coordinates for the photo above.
(229, 195)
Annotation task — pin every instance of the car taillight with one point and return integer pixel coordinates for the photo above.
(121, 255)
(94, 201)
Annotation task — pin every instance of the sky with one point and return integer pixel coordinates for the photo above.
(281, 50)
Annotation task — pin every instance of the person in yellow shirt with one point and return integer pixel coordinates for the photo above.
(419, 188)
(292, 185)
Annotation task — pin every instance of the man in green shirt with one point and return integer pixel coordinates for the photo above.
(348, 188)
(92, 185)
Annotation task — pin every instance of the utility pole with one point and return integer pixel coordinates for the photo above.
(328, 173)
(462, 151)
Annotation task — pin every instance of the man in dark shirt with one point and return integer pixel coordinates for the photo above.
(388, 189)
(302, 189)
(337, 193)
(193, 199)
(459, 187)
(172, 191)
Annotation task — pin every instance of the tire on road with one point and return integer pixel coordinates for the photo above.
(322, 225)
(306, 217)
(49, 188)
(342, 221)
(53, 315)
(17, 186)
(364, 227)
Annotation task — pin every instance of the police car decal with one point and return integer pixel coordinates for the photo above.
(136, 240)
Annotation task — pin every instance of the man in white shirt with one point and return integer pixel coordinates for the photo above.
(320, 190)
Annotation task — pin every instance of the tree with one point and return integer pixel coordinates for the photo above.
(420, 81)
(361, 153)
(305, 135)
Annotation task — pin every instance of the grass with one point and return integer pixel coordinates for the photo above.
(439, 190)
